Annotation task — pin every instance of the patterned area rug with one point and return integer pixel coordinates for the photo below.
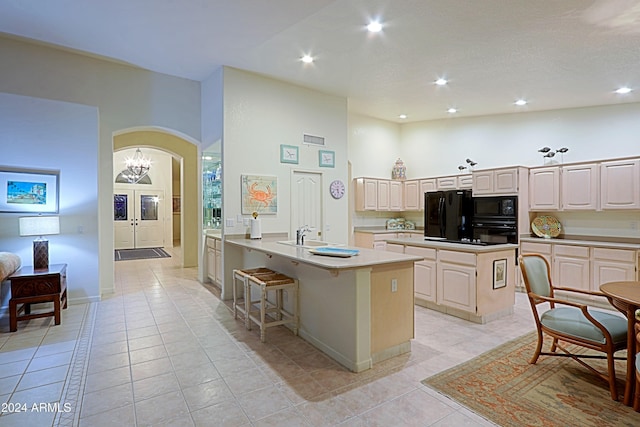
(503, 387)
(128, 254)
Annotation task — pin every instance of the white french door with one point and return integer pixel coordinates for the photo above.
(138, 219)
(306, 203)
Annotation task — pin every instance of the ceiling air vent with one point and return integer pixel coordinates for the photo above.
(310, 139)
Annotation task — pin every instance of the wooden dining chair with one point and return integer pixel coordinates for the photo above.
(572, 322)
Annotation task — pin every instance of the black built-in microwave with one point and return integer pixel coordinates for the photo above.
(495, 219)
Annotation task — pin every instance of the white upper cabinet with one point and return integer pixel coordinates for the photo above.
(495, 182)
(395, 196)
(366, 193)
(426, 185)
(620, 184)
(412, 195)
(465, 181)
(544, 189)
(580, 187)
(383, 195)
(447, 182)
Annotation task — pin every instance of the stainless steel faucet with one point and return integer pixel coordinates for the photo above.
(300, 232)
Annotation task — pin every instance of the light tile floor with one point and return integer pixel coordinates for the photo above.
(164, 350)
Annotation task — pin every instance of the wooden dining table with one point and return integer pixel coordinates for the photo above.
(625, 296)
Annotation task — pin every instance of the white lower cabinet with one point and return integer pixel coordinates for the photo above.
(214, 260)
(612, 265)
(586, 267)
(424, 273)
(571, 267)
(456, 280)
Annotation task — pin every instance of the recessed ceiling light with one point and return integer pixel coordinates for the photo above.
(441, 81)
(402, 116)
(307, 59)
(623, 90)
(374, 27)
(520, 102)
(452, 110)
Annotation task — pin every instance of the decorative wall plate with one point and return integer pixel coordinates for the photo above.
(546, 226)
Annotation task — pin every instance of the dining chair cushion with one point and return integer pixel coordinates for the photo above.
(571, 321)
(638, 362)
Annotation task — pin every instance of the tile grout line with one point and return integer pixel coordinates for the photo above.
(74, 386)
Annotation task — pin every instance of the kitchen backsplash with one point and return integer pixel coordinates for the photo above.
(379, 219)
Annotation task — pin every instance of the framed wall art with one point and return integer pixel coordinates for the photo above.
(326, 159)
(259, 194)
(288, 154)
(28, 191)
(499, 273)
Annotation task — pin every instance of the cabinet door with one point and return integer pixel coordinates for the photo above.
(456, 286)
(465, 181)
(370, 194)
(482, 182)
(211, 264)
(571, 272)
(366, 191)
(580, 187)
(383, 195)
(424, 279)
(447, 182)
(505, 181)
(611, 271)
(544, 189)
(620, 185)
(612, 265)
(411, 193)
(395, 195)
(426, 185)
(218, 264)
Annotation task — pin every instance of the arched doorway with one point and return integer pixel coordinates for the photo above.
(185, 150)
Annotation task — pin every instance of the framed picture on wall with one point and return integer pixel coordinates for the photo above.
(499, 273)
(28, 190)
(326, 159)
(259, 194)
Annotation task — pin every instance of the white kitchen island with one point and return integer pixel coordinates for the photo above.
(473, 282)
(357, 310)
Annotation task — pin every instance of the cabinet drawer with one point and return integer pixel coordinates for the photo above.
(394, 247)
(447, 182)
(620, 255)
(535, 248)
(384, 236)
(571, 251)
(211, 242)
(466, 258)
(426, 253)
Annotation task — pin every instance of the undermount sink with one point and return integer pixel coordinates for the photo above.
(307, 243)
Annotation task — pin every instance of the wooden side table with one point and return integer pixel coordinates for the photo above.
(30, 286)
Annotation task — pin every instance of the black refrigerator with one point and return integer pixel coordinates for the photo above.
(448, 214)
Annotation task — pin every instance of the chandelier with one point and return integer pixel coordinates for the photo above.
(138, 165)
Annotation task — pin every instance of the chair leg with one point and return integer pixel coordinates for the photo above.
(263, 313)
(554, 345)
(612, 376)
(534, 359)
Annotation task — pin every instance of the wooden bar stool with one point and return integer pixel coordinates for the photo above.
(277, 283)
(242, 277)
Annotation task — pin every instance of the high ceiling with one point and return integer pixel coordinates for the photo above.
(554, 53)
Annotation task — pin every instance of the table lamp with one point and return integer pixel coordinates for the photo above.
(40, 226)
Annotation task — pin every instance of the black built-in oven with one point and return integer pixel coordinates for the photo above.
(495, 219)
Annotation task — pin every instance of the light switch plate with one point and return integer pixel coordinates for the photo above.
(230, 222)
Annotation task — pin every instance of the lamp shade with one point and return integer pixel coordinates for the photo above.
(39, 225)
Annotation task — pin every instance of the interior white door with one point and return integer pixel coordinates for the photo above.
(123, 220)
(149, 218)
(306, 203)
(138, 219)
